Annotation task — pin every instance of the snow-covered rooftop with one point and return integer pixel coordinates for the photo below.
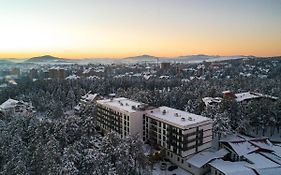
(235, 138)
(258, 161)
(239, 97)
(86, 71)
(122, 104)
(232, 168)
(72, 77)
(272, 157)
(203, 158)
(271, 171)
(252, 95)
(177, 117)
(210, 100)
(93, 77)
(89, 97)
(10, 103)
(243, 148)
(246, 145)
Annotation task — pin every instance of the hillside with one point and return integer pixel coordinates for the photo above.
(45, 58)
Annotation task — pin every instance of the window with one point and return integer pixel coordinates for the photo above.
(182, 161)
(178, 159)
(189, 165)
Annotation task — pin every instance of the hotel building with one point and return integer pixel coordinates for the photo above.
(179, 133)
(121, 115)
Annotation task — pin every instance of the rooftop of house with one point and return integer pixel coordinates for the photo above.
(258, 161)
(123, 104)
(10, 103)
(232, 168)
(202, 158)
(72, 77)
(239, 97)
(252, 95)
(244, 145)
(211, 100)
(89, 97)
(177, 117)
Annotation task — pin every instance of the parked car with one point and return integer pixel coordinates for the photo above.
(163, 166)
(173, 167)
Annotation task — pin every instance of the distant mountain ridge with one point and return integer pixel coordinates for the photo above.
(142, 58)
(187, 58)
(48, 59)
(45, 58)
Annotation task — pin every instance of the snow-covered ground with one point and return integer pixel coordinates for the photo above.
(179, 171)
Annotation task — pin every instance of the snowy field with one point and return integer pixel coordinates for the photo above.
(178, 171)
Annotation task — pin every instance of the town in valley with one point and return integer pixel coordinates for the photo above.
(141, 115)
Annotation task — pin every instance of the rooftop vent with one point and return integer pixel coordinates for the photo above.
(182, 119)
(164, 112)
(134, 107)
(151, 111)
(176, 114)
(190, 118)
(121, 104)
(127, 104)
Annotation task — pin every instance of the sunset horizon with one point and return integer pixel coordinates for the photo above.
(118, 29)
(20, 57)
(140, 87)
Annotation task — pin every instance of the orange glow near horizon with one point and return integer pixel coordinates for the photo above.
(124, 28)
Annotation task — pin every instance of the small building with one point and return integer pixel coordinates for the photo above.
(13, 107)
(181, 134)
(121, 115)
(199, 163)
(261, 155)
(209, 101)
(239, 146)
(72, 77)
(245, 96)
(86, 100)
(239, 97)
(221, 167)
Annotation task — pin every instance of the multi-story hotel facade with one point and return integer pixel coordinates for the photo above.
(180, 134)
(121, 115)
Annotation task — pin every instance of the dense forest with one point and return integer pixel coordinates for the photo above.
(52, 142)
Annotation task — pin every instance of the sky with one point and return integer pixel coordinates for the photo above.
(122, 28)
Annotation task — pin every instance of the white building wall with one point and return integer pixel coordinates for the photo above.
(136, 123)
